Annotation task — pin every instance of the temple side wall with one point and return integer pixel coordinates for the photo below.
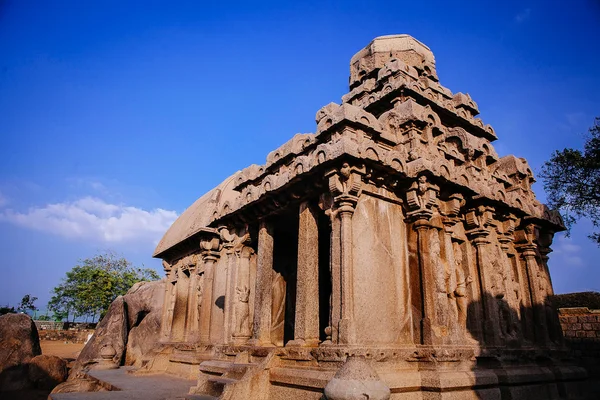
(381, 286)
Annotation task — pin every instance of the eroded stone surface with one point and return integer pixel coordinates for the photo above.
(19, 344)
(356, 380)
(394, 233)
(45, 372)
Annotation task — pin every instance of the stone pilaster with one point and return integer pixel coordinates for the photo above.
(241, 305)
(306, 327)
(209, 251)
(457, 280)
(191, 320)
(335, 303)
(345, 185)
(421, 198)
(505, 230)
(228, 248)
(478, 225)
(169, 303)
(527, 247)
(261, 335)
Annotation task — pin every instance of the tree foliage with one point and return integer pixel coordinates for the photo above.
(572, 181)
(27, 303)
(7, 310)
(90, 287)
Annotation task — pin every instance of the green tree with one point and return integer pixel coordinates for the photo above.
(27, 303)
(90, 287)
(572, 181)
(7, 310)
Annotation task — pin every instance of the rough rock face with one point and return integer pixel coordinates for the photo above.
(19, 343)
(112, 330)
(144, 303)
(130, 327)
(45, 372)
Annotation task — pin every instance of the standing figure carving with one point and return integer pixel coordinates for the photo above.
(278, 310)
(242, 312)
(199, 291)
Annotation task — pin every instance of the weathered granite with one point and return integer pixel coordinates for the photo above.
(395, 232)
(19, 344)
(394, 235)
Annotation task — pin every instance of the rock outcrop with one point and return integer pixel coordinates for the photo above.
(45, 372)
(19, 344)
(144, 303)
(129, 330)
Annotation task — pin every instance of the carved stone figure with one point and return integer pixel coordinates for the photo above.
(242, 312)
(278, 310)
(393, 234)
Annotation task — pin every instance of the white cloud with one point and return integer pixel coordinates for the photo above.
(93, 219)
(566, 253)
(523, 15)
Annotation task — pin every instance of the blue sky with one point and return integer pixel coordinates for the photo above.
(116, 116)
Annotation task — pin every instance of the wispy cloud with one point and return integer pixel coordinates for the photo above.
(523, 16)
(3, 200)
(90, 218)
(566, 253)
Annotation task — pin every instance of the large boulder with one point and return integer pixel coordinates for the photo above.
(45, 372)
(144, 310)
(110, 332)
(129, 330)
(19, 343)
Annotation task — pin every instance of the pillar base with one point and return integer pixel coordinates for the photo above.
(303, 343)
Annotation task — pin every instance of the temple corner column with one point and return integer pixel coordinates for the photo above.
(261, 335)
(306, 327)
(345, 185)
(209, 251)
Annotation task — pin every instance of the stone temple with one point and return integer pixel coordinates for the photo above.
(390, 254)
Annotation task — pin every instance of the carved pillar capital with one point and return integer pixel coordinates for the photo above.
(209, 248)
(526, 240)
(345, 183)
(478, 222)
(421, 199)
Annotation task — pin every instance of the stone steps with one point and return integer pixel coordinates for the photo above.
(220, 373)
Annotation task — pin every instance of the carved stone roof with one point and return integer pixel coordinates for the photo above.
(397, 118)
(199, 215)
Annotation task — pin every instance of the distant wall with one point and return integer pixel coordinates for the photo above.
(581, 329)
(73, 336)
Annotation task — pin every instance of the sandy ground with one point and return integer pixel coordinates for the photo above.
(68, 351)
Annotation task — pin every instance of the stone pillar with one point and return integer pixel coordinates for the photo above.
(427, 285)
(505, 232)
(421, 198)
(209, 251)
(529, 255)
(264, 281)
(181, 287)
(335, 304)
(478, 223)
(306, 328)
(191, 320)
(544, 241)
(168, 303)
(228, 245)
(345, 186)
(241, 304)
(346, 327)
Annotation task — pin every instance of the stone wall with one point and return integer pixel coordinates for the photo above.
(73, 336)
(581, 329)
